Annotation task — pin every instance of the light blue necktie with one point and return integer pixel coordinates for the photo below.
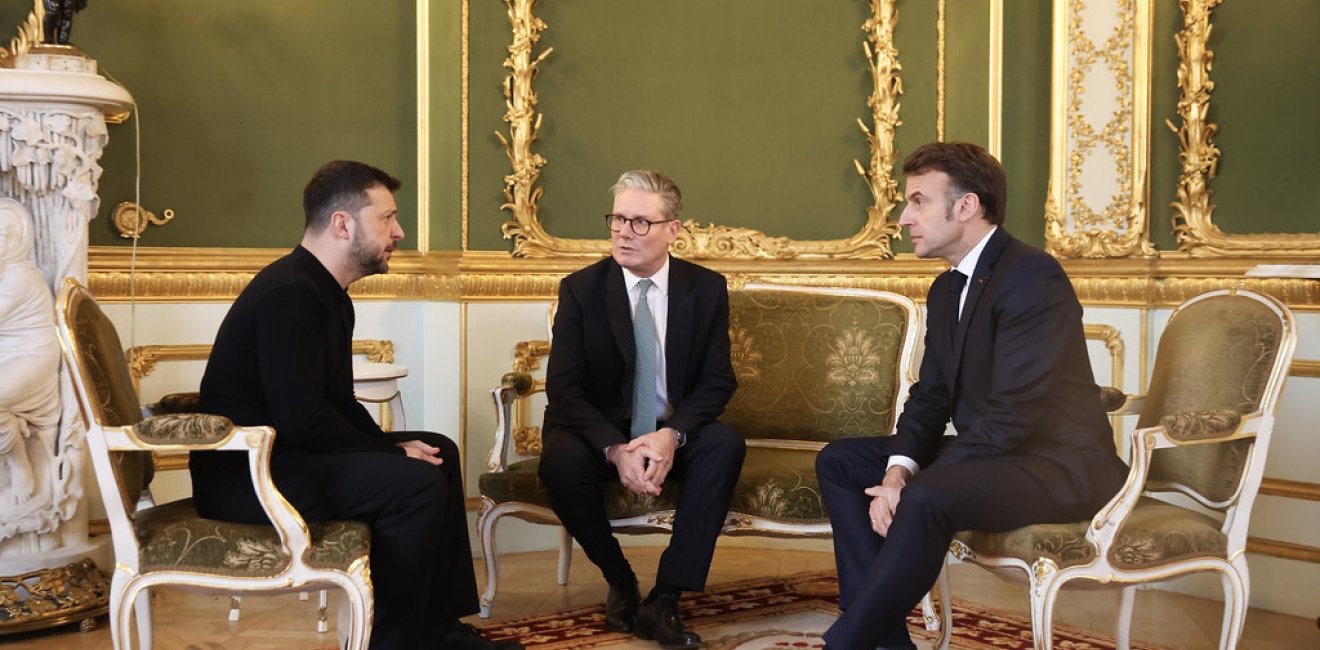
(644, 372)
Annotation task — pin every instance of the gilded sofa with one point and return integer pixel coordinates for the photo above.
(813, 365)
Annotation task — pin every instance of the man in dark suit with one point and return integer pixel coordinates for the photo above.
(1006, 360)
(283, 358)
(638, 373)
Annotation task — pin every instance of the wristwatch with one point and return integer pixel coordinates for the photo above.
(680, 437)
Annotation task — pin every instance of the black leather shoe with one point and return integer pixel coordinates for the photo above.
(660, 621)
(621, 608)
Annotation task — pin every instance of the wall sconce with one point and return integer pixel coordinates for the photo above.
(131, 219)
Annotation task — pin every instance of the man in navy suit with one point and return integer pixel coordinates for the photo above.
(1006, 361)
(638, 373)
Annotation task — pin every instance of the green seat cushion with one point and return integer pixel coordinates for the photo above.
(174, 537)
(1156, 533)
(775, 484)
(780, 485)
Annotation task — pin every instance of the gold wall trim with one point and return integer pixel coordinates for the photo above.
(1192, 220)
(995, 60)
(423, 18)
(1291, 489)
(218, 274)
(522, 195)
(1285, 550)
(941, 27)
(1305, 368)
(1073, 226)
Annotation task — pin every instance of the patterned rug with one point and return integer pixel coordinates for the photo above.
(782, 612)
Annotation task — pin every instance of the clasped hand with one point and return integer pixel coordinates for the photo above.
(644, 462)
(885, 498)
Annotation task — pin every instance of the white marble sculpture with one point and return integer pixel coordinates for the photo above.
(29, 393)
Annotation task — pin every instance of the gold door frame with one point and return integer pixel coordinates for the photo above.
(522, 195)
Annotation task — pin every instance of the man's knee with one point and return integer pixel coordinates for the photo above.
(834, 461)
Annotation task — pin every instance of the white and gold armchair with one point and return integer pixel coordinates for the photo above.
(1197, 457)
(170, 544)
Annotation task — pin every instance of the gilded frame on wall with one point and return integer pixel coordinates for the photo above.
(522, 195)
(1196, 232)
(1073, 225)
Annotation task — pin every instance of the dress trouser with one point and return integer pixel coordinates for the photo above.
(575, 474)
(882, 578)
(421, 560)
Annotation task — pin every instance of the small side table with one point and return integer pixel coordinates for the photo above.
(378, 383)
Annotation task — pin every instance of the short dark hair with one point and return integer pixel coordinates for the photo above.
(971, 169)
(341, 185)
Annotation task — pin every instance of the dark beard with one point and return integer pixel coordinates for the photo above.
(365, 261)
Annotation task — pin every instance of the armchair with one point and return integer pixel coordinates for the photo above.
(169, 544)
(1201, 438)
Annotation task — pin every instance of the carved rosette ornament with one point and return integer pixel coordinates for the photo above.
(53, 114)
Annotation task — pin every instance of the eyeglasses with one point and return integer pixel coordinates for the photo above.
(639, 225)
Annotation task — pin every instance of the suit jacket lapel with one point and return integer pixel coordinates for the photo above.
(678, 335)
(616, 309)
(975, 288)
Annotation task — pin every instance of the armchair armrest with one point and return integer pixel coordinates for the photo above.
(1116, 402)
(1174, 430)
(513, 386)
(180, 432)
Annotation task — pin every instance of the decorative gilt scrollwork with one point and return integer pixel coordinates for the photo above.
(527, 355)
(29, 34)
(1073, 227)
(522, 196)
(1192, 224)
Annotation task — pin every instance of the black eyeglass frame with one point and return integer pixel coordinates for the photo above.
(633, 222)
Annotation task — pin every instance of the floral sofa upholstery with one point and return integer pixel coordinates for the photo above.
(813, 364)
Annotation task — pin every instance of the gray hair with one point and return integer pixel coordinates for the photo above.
(671, 198)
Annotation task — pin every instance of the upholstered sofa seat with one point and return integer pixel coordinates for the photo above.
(813, 365)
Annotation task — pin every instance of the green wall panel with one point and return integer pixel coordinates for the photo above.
(1266, 101)
(446, 126)
(752, 106)
(1026, 115)
(241, 101)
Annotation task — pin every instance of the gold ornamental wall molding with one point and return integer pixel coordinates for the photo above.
(1192, 220)
(1096, 203)
(522, 195)
(219, 274)
(29, 34)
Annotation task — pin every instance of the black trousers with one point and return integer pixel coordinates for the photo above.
(421, 559)
(574, 474)
(882, 578)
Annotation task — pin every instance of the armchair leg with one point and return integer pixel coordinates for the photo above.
(142, 606)
(1123, 631)
(565, 555)
(945, 592)
(235, 602)
(486, 538)
(1043, 593)
(1235, 604)
(322, 625)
